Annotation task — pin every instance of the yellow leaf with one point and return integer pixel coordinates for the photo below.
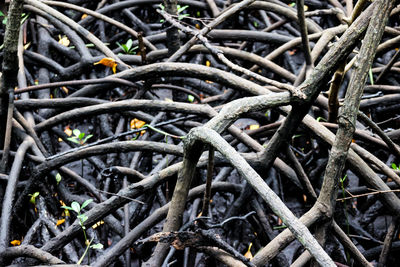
(197, 26)
(26, 46)
(59, 139)
(68, 132)
(136, 123)
(304, 198)
(168, 99)
(94, 226)
(65, 89)
(254, 126)
(84, 16)
(248, 254)
(59, 222)
(108, 62)
(66, 213)
(208, 63)
(64, 40)
(16, 242)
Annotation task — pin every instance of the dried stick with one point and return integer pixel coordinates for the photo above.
(8, 80)
(364, 118)
(32, 252)
(207, 191)
(388, 241)
(304, 35)
(10, 194)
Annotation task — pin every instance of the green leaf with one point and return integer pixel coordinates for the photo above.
(394, 166)
(87, 202)
(73, 140)
(180, 9)
(120, 45)
(76, 132)
(190, 98)
(97, 246)
(87, 138)
(58, 178)
(2, 14)
(81, 135)
(180, 17)
(33, 197)
(66, 207)
(296, 135)
(129, 44)
(76, 207)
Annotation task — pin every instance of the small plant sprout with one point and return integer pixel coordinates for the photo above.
(82, 218)
(395, 167)
(33, 197)
(190, 98)
(4, 21)
(128, 47)
(24, 16)
(58, 178)
(79, 138)
(179, 10)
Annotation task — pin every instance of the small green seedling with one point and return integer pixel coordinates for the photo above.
(395, 167)
(24, 16)
(128, 47)
(33, 197)
(179, 10)
(190, 98)
(79, 138)
(4, 21)
(58, 178)
(82, 218)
